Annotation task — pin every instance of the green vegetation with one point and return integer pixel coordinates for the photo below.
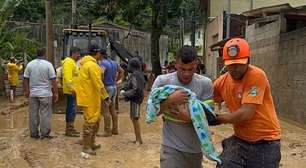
(157, 16)
(14, 41)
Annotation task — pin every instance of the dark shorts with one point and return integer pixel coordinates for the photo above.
(13, 88)
(238, 153)
(134, 110)
(172, 158)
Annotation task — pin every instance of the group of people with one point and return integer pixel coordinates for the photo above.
(246, 92)
(244, 88)
(91, 85)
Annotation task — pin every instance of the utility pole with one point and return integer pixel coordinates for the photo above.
(228, 20)
(89, 34)
(73, 14)
(182, 31)
(252, 4)
(49, 32)
(206, 15)
(193, 32)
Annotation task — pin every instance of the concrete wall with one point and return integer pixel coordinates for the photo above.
(214, 33)
(283, 58)
(239, 6)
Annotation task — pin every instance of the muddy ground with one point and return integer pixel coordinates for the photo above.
(17, 150)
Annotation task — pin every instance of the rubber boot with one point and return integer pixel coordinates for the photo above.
(69, 130)
(89, 150)
(74, 131)
(93, 138)
(94, 146)
(87, 140)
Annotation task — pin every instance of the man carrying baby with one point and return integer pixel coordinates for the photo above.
(180, 144)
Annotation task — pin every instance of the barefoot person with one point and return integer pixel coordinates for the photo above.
(133, 92)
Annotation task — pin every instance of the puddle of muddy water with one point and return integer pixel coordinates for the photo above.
(13, 121)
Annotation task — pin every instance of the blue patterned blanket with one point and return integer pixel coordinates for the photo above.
(197, 115)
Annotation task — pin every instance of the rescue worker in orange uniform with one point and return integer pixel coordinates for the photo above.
(246, 91)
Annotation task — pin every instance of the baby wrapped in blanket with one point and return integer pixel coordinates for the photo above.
(196, 112)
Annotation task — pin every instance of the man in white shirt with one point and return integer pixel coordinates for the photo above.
(41, 87)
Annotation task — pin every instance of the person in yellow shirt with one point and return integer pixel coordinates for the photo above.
(90, 91)
(70, 72)
(13, 68)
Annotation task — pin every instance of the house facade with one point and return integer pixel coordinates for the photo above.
(199, 38)
(216, 26)
(277, 37)
(216, 7)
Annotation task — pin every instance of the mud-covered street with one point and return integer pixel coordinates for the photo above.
(18, 150)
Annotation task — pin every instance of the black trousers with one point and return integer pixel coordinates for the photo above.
(238, 153)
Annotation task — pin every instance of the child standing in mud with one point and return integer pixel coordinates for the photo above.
(133, 92)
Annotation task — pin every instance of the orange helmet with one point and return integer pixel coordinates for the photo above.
(236, 51)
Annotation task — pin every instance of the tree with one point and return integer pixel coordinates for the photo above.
(24, 47)
(146, 14)
(159, 19)
(6, 11)
(161, 11)
(13, 40)
(29, 10)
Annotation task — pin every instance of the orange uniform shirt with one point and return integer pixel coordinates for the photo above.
(254, 88)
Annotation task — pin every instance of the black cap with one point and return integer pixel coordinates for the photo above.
(95, 48)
